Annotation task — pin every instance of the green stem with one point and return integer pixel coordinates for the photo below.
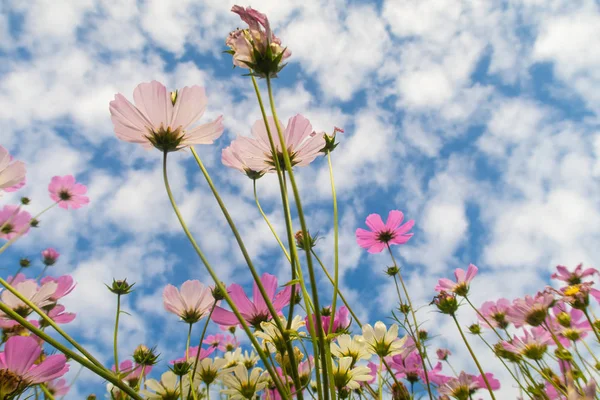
(220, 286)
(257, 279)
(47, 393)
(587, 315)
(485, 379)
(187, 343)
(335, 242)
(22, 231)
(380, 383)
(100, 371)
(42, 273)
(181, 387)
(287, 255)
(202, 340)
(51, 323)
(311, 272)
(116, 334)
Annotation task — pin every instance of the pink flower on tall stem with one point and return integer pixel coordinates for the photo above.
(163, 119)
(64, 286)
(341, 321)
(17, 365)
(67, 192)
(532, 345)
(253, 155)
(192, 353)
(49, 256)
(530, 310)
(191, 303)
(573, 277)
(12, 176)
(213, 340)
(255, 311)
(494, 313)
(13, 221)
(229, 343)
(461, 286)
(58, 387)
(382, 235)
(442, 354)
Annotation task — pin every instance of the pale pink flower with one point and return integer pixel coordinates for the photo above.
(49, 256)
(341, 321)
(58, 387)
(530, 310)
(12, 175)
(457, 387)
(255, 311)
(253, 155)
(532, 345)
(192, 353)
(163, 119)
(64, 286)
(13, 220)
(442, 354)
(461, 286)
(17, 362)
(494, 313)
(213, 340)
(568, 324)
(67, 192)
(573, 277)
(229, 343)
(494, 383)
(191, 303)
(41, 296)
(381, 235)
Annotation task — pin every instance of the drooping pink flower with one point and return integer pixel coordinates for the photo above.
(17, 361)
(163, 119)
(442, 354)
(192, 353)
(191, 303)
(530, 310)
(533, 344)
(58, 387)
(67, 192)
(64, 285)
(255, 311)
(408, 366)
(213, 340)
(341, 321)
(381, 235)
(253, 155)
(58, 315)
(494, 313)
(12, 175)
(575, 277)
(13, 221)
(49, 256)
(463, 280)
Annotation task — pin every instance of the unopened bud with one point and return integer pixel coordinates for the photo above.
(142, 355)
(218, 294)
(25, 200)
(475, 329)
(24, 262)
(120, 287)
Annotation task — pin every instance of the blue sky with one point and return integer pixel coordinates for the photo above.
(477, 119)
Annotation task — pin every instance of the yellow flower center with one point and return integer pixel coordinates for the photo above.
(572, 290)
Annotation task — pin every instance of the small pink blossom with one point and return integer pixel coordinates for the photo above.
(67, 192)
(253, 155)
(381, 235)
(255, 311)
(163, 119)
(229, 343)
(49, 256)
(341, 321)
(191, 303)
(465, 383)
(58, 387)
(12, 175)
(463, 280)
(13, 221)
(530, 310)
(573, 277)
(532, 345)
(192, 353)
(132, 372)
(494, 313)
(58, 315)
(213, 340)
(41, 296)
(442, 354)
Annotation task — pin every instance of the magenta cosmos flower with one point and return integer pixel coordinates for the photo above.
(533, 345)
(191, 303)
(530, 310)
(49, 256)
(382, 235)
(255, 311)
(18, 368)
(463, 279)
(341, 321)
(494, 313)
(67, 192)
(163, 119)
(64, 285)
(253, 155)
(12, 175)
(576, 276)
(13, 221)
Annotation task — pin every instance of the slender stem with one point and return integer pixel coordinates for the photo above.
(42, 273)
(336, 257)
(100, 371)
(451, 368)
(483, 317)
(587, 315)
(181, 387)
(202, 340)
(116, 334)
(22, 231)
(51, 322)
(485, 379)
(590, 351)
(380, 383)
(222, 289)
(47, 393)
(287, 255)
(257, 279)
(187, 343)
(309, 263)
(207, 391)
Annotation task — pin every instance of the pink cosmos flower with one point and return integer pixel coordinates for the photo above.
(58, 387)
(461, 286)
(255, 311)
(49, 256)
(495, 313)
(575, 277)
(530, 310)
(213, 340)
(13, 221)
(465, 383)
(58, 315)
(381, 235)
(132, 372)
(341, 321)
(408, 367)
(64, 286)
(229, 343)
(533, 345)
(568, 324)
(17, 364)
(163, 119)
(38, 295)
(191, 303)
(442, 354)
(12, 176)
(494, 383)
(67, 192)
(253, 155)
(192, 353)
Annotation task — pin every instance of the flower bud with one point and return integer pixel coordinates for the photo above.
(423, 335)
(475, 329)
(404, 308)
(563, 354)
(300, 241)
(446, 303)
(564, 319)
(501, 352)
(181, 368)
(49, 256)
(24, 262)
(399, 392)
(392, 271)
(34, 223)
(25, 200)
(120, 287)
(217, 294)
(91, 397)
(142, 355)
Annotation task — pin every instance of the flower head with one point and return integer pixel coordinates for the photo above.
(13, 221)
(67, 192)
(530, 310)
(255, 311)
(253, 155)
(49, 256)
(463, 279)
(41, 296)
(58, 387)
(442, 354)
(242, 384)
(12, 175)
(382, 235)
(210, 369)
(271, 335)
(346, 376)
(460, 388)
(341, 321)
(64, 286)
(381, 341)
(166, 389)
(191, 303)
(162, 119)
(573, 277)
(533, 345)
(494, 313)
(354, 347)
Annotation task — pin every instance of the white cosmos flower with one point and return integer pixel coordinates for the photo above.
(167, 388)
(243, 385)
(346, 376)
(271, 335)
(354, 347)
(382, 342)
(210, 369)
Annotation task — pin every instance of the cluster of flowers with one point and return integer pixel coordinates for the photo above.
(323, 352)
